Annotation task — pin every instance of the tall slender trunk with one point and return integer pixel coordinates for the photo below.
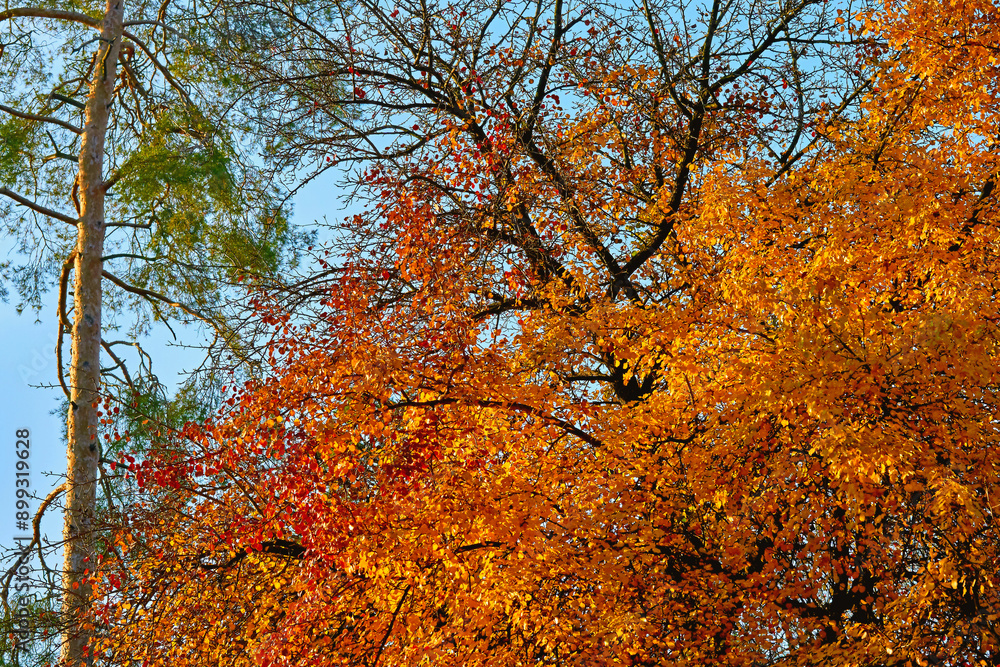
(85, 373)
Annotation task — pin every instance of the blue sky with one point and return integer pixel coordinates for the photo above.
(28, 359)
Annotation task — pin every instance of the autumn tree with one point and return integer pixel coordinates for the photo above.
(128, 187)
(668, 336)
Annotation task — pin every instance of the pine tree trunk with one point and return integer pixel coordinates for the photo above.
(85, 372)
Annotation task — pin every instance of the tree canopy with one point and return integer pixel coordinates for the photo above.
(668, 336)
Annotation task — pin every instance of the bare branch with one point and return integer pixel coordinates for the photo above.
(392, 623)
(64, 324)
(160, 67)
(46, 13)
(156, 296)
(134, 225)
(153, 296)
(38, 208)
(162, 25)
(108, 184)
(68, 100)
(36, 540)
(119, 364)
(43, 119)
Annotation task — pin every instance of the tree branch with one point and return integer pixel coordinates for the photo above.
(277, 547)
(43, 119)
(513, 405)
(68, 100)
(119, 364)
(156, 296)
(159, 66)
(46, 13)
(36, 540)
(160, 24)
(151, 295)
(392, 623)
(38, 208)
(64, 324)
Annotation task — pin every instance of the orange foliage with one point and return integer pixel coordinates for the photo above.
(598, 386)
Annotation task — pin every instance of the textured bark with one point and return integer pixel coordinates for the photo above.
(83, 447)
